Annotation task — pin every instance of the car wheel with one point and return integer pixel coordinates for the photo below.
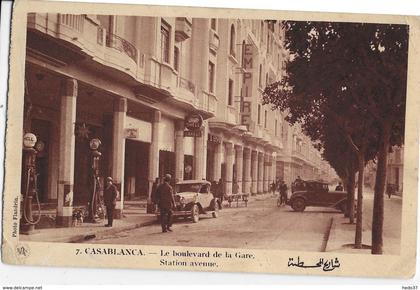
(195, 212)
(298, 204)
(215, 213)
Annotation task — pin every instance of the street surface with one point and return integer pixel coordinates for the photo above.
(261, 225)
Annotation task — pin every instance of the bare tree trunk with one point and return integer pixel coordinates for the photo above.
(378, 203)
(350, 194)
(359, 217)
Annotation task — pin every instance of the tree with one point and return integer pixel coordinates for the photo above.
(354, 75)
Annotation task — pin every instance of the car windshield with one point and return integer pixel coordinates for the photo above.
(188, 187)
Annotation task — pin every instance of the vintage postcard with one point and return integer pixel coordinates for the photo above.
(229, 140)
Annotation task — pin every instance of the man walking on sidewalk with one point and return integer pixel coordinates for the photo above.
(165, 200)
(110, 200)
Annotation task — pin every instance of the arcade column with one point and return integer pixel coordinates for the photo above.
(118, 152)
(179, 150)
(230, 155)
(254, 172)
(239, 152)
(260, 185)
(69, 88)
(154, 150)
(247, 171)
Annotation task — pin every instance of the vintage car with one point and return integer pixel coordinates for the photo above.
(193, 197)
(316, 193)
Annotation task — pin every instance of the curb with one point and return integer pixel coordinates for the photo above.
(102, 233)
(327, 234)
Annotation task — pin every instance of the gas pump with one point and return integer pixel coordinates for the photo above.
(96, 155)
(30, 149)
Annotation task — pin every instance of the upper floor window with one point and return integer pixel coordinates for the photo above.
(176, 58)
(243, 53)
(232, 40)
(211, 77)
(230, 93)
(262, 31)
(260, 76)
(213, 24)
(165, 32)
(259, 114)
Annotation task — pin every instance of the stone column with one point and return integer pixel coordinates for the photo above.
(118, 152)
(69, 88)
(154, 150)
(247, 171)
(260, 185)
(266, 171)
(200, 155)
(179, 150)
(230, 155)
(217, 165)
(239, 152)
(273, 169)
(254, 172)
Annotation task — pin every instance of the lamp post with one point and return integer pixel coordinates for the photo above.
(96, 155)
(30, 149)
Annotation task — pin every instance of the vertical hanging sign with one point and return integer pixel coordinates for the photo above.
(246, 91)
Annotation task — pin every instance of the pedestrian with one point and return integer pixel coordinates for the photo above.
(339, 187)
(153, 193)
(166, 202)
(235, 188)
(220, 190)
(283, 192)
(273, 188)
(110, 200)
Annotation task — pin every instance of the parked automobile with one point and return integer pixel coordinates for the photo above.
(316, 193)
(193, 197)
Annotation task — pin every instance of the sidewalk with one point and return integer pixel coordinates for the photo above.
(342, 235)
(134, 216)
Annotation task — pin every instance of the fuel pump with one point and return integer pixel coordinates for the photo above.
(96, 155)
(30, 149)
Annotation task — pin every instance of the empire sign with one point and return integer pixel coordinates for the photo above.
(246, 91)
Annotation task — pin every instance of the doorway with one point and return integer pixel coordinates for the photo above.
(136, 169)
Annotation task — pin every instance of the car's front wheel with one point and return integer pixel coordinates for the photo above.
(298, 204)
(195, 214)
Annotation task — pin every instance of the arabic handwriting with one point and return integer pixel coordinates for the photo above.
(325, 264)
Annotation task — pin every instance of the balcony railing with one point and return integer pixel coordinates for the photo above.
(119, 43)
(186, 84)
(74, 21)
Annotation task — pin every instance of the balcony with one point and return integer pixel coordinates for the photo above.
(183, 28)
(186, 90)
(214, 41)
(122, 45)
(86, 33)
(208, 102)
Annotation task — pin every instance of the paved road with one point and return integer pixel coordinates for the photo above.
(261, 225)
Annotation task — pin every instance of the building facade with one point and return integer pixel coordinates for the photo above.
(138, 84)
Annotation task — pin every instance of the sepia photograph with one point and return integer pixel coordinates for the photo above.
(172, 134)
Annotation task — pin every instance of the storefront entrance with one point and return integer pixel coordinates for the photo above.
(136, 169)
(166, 163)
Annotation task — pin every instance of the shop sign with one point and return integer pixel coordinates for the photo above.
(214, 139)
(194, 122)
(246, 90)
(192, 133)
(132, 133)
